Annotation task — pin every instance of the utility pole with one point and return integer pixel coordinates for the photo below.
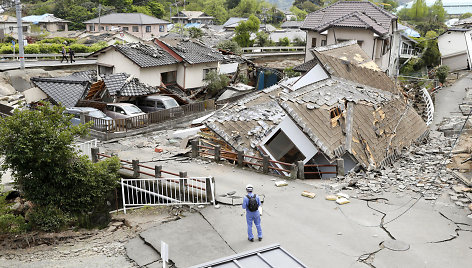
(20, 35)
(99, 13)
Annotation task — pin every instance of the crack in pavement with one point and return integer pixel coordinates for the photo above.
(199, 212)
(457, 230)
(368, 258)
(381, 225)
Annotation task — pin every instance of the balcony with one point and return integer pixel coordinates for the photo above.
(407, 53)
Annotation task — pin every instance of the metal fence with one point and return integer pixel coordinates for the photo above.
(85, 148)
(167, 191)
(429, 106)
(123, 125)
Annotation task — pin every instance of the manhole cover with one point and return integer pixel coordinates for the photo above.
(396, 245)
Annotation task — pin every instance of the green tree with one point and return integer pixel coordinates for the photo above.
(141, 9)
(301, 14)
(246, 8)
(465, 15)
(438, 14)
(194, 32)
(215, 82)
(120, 5)
(431, 55)
(232, 3)
(216, 8)
(284, 42)
(244, 30)
(36, 147)
(229, 45)
(263, 40)
(418, 11)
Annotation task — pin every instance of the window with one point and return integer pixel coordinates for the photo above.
(148, 29)
(161, 28)
(102, 28)
(135, 29)
(91, 28)
(125, 28)
(169, 77)
(335, 112)
(206, 71)
(313, 42)
(25, 29)
(61, 27)
(323, 42)
(106, 28)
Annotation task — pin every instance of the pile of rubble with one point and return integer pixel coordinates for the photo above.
(421, 169)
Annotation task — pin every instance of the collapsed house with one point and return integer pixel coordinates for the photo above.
(344, 107)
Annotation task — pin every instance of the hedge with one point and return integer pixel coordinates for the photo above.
(51, 48)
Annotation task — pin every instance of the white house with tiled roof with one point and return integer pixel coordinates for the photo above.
(374, 28)
(140, 25)
(183, 63)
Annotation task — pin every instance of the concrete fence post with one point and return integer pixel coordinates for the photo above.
(158, 171)
(240, 159)
(135, 164)
(217, 153)
(183, 185)
(293, 171)
(194, 143)
(340, 167)
(209, 193)
(265, 164)
(82, 118)
(94, 153)
(183, 174)
(301, 170)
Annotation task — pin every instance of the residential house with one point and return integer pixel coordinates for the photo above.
(48, 22)
(464, 23)
(408, 48)
(186, 17)
(9, 25)
(342, 108)
(291, 24)
(181, 62)
(65, 90)
(455, 46)
(232, 22)
(374, 28)
(123, 87)
(140, 25)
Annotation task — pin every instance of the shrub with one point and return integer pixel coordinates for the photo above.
(289, 72)
(58, 40)
(32, 49)
(48, 219)
(97, 46)
(229, 45)
(79, 48)
(6, 49)
(284, 42)
(442, 72)
(11, 224)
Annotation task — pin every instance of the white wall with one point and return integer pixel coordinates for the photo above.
(194, 74)
(451, 43)
(152, 75)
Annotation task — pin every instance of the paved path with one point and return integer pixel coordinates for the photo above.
(12, 65)
(318, 232)
(448, 99)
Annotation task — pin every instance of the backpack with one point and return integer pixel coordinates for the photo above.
(252, 204)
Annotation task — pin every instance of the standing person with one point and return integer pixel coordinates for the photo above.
(71, 55)
(64, 54)
(252, 203)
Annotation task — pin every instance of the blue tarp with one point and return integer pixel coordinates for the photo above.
(35, 19)
(190, 25)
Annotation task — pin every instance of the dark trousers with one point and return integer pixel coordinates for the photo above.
(64, 57)
(72, 59)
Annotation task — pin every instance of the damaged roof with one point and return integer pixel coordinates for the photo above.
(122, 84)
(245, 123)
(193, 52)
(63, 90)
(352, 14)
(306, 66)
(376, 127)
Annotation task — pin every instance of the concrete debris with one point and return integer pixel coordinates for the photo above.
(308, 194)
(331, 197)
(281, 183)
(342, 201)
(342, 195)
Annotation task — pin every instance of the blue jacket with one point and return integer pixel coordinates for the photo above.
(246, 201)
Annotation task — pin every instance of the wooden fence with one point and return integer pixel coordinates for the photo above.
(123, 125)
(294, 171)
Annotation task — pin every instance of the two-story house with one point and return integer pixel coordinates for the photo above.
(140, 25)
(185, 17)
(183, 63)
(374, 28)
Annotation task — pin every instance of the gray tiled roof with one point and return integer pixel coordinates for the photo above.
(145, 55)
(305, 67)
(65, 91)
(194, 52)
(358, 14)
(121, 84)
(128, 18)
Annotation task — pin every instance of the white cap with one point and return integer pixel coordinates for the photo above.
(249, 187)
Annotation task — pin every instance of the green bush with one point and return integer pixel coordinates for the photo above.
(57, 40)
(283, 42)
(11, 224)
(79, 48)
(48, 219)
(97, 46)
(6, 49)
(32, 49)
(442, 72)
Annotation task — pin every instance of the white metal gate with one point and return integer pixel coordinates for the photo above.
(429, 106)
(167, 191)
(85, 148)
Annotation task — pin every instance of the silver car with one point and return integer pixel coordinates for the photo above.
(101, 121)
(135, 116)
